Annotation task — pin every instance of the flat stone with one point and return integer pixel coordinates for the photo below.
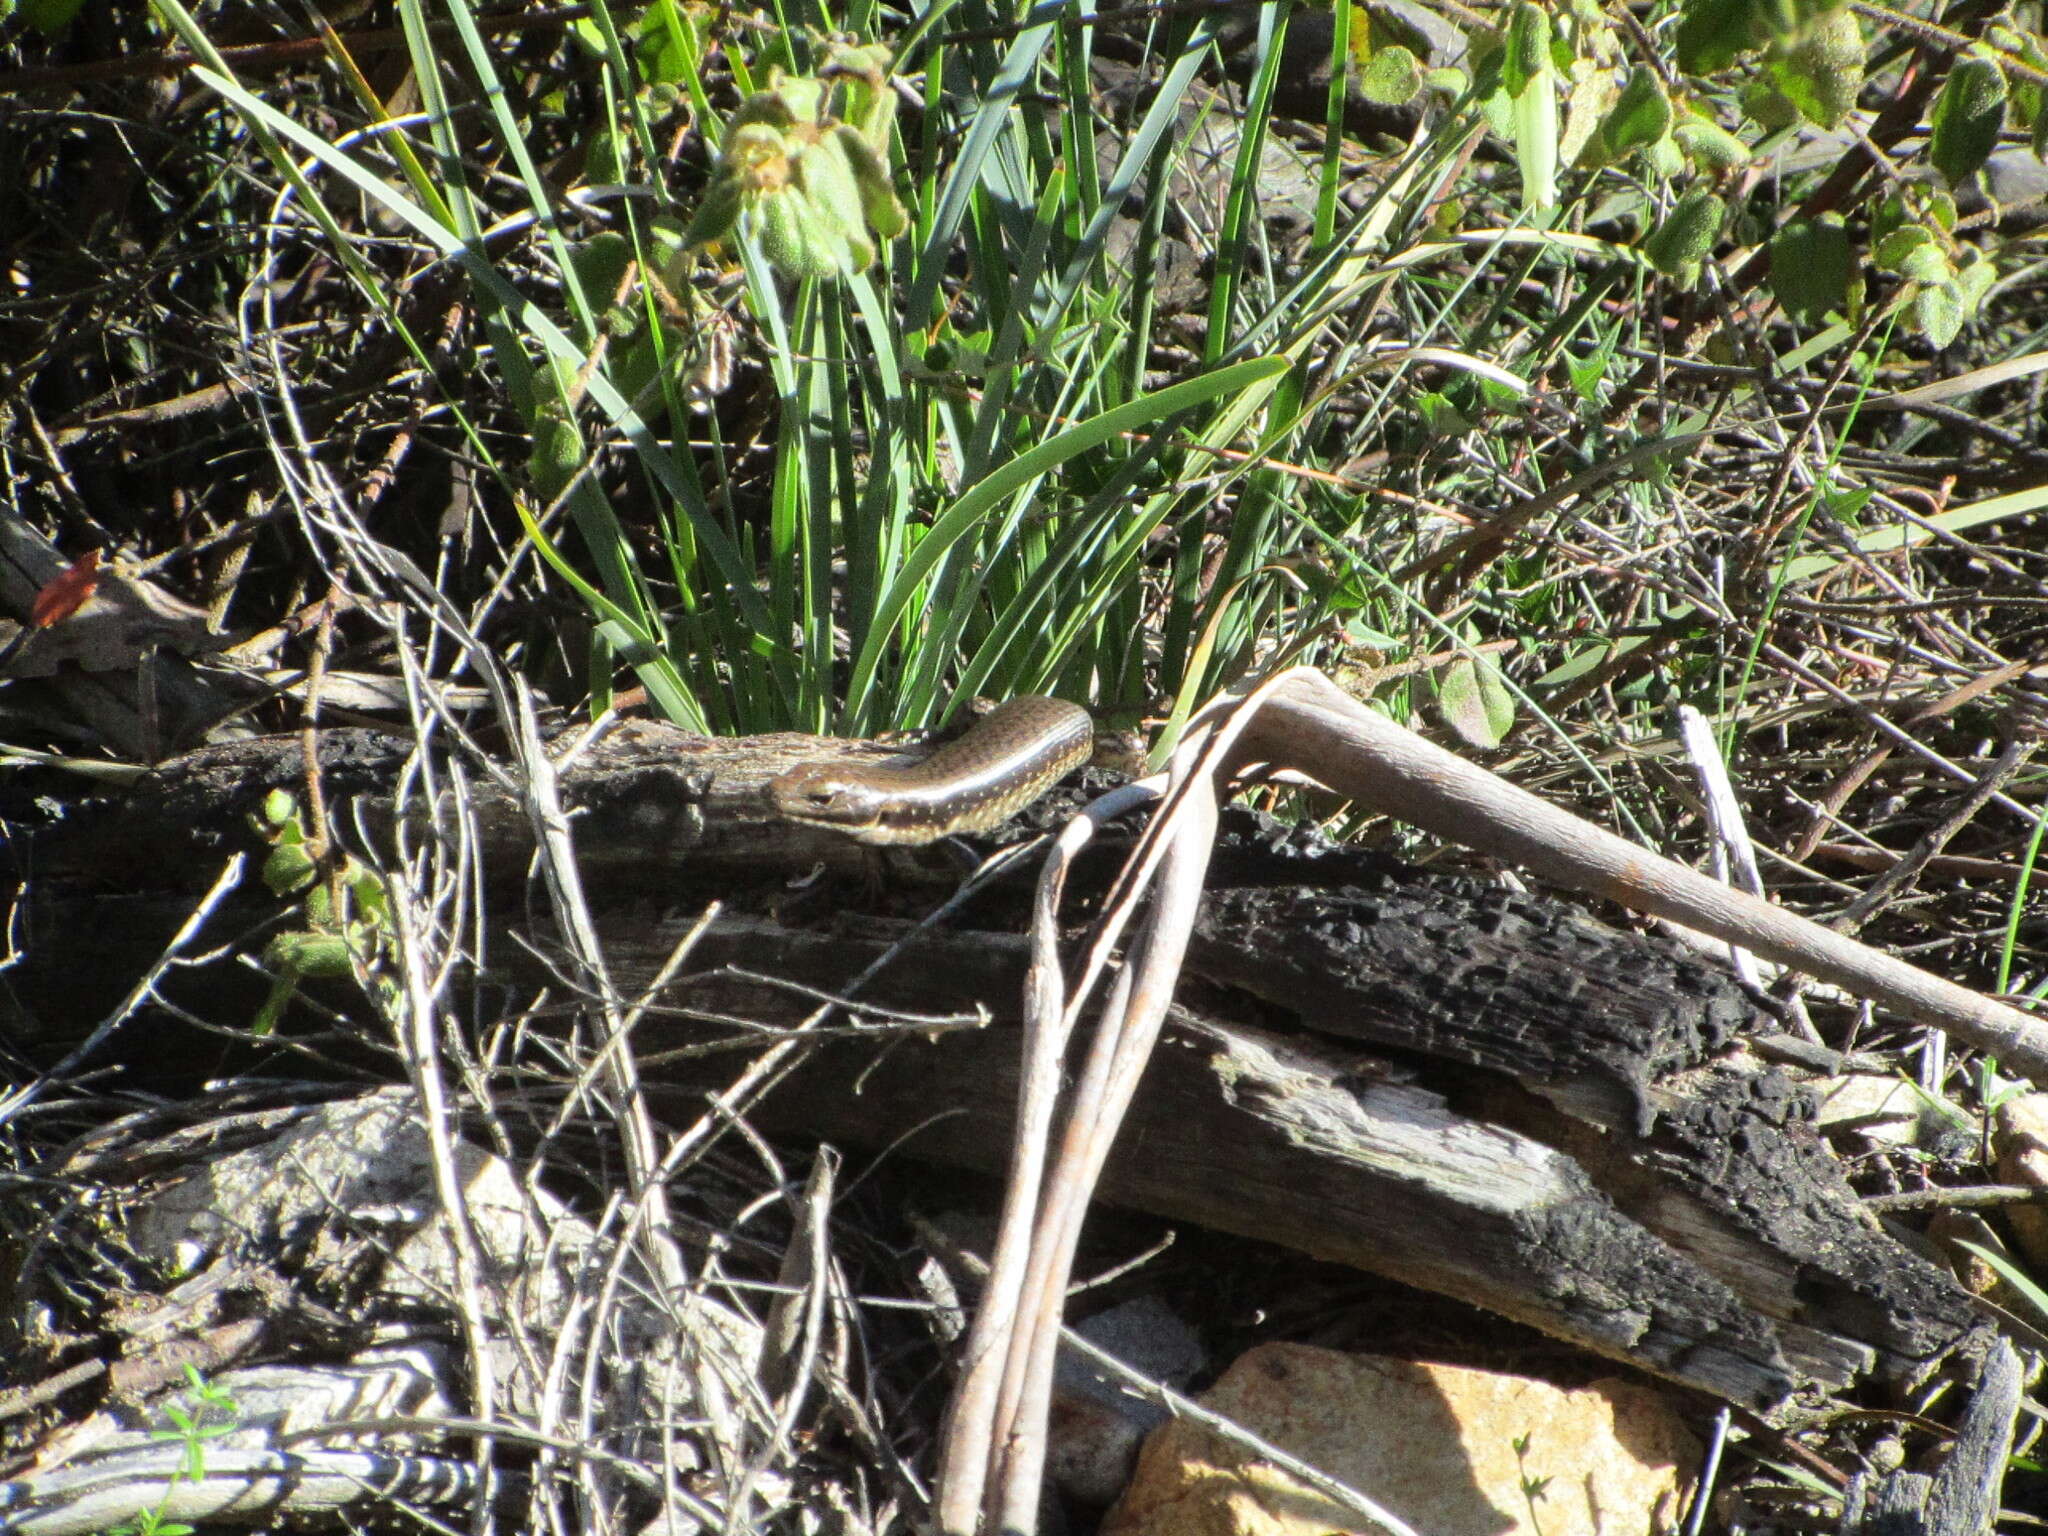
(1435, 1445)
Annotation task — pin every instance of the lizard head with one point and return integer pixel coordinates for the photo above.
(826, 797)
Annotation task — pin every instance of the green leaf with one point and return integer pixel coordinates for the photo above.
(1712, 34)
(1391, 78)
(600, 264)
(288, 870)
(1811, 265)
(554, 454)
(885, 215)
(1847, 504)
(1588, 373)
(1683, 237)
(1888, 216)
(1927, 263)
(1783, 21)
(1532, 89)
(1968, 116)
(1939, 312)
(1475, 701)
(832, 201)
(1006, 480)
(48, 17)
(1974, 279)
(1767, 106)
(717, 214)
(1528, 48)
(1710, 146)
(308, 954)
(1440, 415)
(1821, 72)
(1641, 115)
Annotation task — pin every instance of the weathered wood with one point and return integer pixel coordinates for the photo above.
(1491, 1095)
(1961, 1498)
(654, 807)
(1421, 1175)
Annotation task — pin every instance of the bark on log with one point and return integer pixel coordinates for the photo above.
(1490, 1095)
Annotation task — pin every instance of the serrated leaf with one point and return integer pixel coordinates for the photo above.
(1968, 116)
(1475, 701)
(1847, 504)
(1811, 265)
(1587, 374)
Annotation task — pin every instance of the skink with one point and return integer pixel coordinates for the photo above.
(1005, 762)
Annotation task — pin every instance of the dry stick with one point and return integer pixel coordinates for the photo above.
(1839, 793)
(2010, 759)
(1301, 720)
(1008, 1421)
(967, 1437)
(1314, 726)
(1089, 1136)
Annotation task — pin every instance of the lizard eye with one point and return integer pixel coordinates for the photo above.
(824, 794)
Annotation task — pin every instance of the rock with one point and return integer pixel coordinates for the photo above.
(1097, 1423)
(1884, 1110)
(2019, 1135)
(1435, 1445)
